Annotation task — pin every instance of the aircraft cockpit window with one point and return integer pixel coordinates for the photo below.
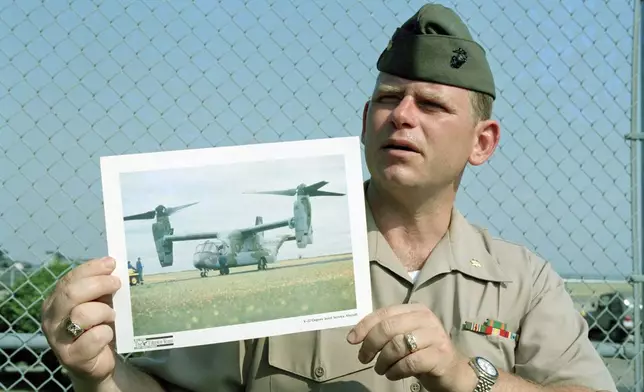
(208, 246)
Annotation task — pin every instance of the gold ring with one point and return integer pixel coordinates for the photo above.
(410, 339)
(73, 329)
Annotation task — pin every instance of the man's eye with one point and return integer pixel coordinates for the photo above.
(429, 104)
(388, 98)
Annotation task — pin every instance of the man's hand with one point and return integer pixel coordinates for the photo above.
(83, 296)
(434, 360)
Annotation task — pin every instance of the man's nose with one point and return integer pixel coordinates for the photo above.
(404, 114)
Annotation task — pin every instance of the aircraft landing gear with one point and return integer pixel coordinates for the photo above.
(224, 270)
(261, 264)
(204, 273)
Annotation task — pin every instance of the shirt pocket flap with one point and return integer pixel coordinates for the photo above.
(497, 349)
(319, 356)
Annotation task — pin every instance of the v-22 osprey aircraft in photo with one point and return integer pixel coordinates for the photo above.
(239, 247)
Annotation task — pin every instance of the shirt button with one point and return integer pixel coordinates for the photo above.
(319, 371)
(415, 387)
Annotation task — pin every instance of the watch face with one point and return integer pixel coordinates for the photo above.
(487, 367)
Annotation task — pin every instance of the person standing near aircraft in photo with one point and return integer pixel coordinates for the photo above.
(456, 310)
(139, 269)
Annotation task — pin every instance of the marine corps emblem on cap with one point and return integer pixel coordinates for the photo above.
(459, 58)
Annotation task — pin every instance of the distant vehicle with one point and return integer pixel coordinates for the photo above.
(611, 318)
(133, 276)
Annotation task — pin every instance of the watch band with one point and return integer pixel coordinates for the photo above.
(484, 384)
(485, 381)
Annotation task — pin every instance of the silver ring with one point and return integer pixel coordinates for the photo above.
(410, 339)
(74, 329)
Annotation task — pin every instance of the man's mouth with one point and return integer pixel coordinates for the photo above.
(401, 146)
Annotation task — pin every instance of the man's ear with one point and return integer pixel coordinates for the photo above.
(364, 121)
(488, 136)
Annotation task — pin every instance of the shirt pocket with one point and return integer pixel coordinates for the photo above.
(497, 349)
(305, 361)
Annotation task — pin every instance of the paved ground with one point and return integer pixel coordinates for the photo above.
(623, 371)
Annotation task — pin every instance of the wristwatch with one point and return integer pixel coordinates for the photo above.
(486, 372)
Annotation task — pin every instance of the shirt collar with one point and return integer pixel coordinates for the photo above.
(464, 248)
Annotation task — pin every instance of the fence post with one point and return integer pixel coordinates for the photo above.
(635, 138)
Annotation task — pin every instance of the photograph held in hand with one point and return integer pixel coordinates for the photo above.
(232, 243)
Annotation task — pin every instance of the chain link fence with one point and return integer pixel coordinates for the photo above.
(83, 79)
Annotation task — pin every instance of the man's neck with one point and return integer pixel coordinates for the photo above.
(412, 229)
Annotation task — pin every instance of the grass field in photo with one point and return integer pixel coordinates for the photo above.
(183, 301)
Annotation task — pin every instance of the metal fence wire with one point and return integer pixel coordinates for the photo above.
(83, 79)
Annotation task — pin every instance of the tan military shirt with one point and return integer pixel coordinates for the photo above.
(469, 277)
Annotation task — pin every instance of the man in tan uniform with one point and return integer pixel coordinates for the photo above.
(457, 310)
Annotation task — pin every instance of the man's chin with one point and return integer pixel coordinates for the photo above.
(402, 177)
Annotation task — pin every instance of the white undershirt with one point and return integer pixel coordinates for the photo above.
(414, 275)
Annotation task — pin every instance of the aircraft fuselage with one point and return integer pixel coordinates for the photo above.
(215, 261)
(217, 255)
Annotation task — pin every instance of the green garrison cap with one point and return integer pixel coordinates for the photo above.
(436, 46)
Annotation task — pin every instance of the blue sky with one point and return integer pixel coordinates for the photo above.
(82, 81)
